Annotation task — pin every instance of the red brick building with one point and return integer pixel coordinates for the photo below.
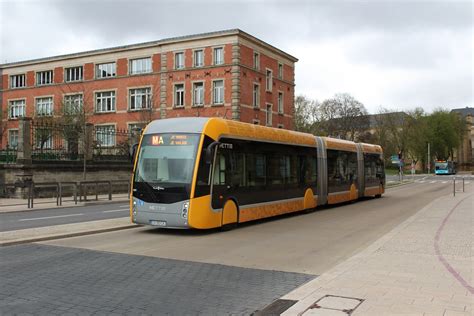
(227, 74)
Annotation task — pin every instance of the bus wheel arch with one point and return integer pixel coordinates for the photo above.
(230, 213)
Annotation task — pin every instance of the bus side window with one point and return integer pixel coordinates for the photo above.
(220, 170)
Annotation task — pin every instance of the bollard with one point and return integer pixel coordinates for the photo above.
(75, 193)
(110, 190)
(60, 194)
(454, 186)
(32, 193)
(57, 193)
(463, 184)
(96, 191)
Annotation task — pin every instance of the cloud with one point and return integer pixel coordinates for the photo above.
(391, 53)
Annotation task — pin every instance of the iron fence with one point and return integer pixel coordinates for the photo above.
(111, 144)
(8, 155)
(52, 141)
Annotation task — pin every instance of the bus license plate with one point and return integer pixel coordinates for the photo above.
(158, 223)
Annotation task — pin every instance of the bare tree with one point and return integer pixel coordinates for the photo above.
(344, 117)
(306, 114)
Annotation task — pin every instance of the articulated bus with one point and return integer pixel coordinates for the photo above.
(444, 167)
(209, 172)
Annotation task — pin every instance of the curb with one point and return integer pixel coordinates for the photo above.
(30, 239)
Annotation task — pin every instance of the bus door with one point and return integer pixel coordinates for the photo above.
(226, 171)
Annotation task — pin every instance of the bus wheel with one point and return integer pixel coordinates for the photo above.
(378, 196)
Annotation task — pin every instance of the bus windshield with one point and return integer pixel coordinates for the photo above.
(441, 165)
(166, 159)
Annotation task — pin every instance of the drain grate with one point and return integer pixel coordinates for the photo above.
(333, 305)
(275, 308)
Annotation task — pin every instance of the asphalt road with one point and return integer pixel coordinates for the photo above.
(58, 216)
(305, 243)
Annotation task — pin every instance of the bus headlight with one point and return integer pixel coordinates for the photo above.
(184, 210)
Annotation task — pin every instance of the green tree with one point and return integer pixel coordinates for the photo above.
(445, 133)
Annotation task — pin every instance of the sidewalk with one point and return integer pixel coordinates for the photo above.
(425, 266)
(18, 205)
(63, 231)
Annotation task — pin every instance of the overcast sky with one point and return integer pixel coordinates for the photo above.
(395, 54)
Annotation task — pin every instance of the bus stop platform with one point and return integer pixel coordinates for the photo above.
(424, 266)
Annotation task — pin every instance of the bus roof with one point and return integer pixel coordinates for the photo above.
(217, 127)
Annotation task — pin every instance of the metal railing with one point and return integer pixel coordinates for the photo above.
(81, 189)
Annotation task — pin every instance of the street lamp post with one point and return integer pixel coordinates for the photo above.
(429, 159)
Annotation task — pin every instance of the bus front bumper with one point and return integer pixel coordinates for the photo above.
(173, 215)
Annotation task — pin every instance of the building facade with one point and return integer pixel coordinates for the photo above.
(464, 155)
(229, 74)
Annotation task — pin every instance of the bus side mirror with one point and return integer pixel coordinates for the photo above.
(133, 152)
(210, 151)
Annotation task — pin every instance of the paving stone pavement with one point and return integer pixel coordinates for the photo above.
(424, 266)
(51, 280)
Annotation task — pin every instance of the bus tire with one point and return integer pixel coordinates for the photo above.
(378, 196)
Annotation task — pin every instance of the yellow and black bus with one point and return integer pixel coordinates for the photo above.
(211, 172)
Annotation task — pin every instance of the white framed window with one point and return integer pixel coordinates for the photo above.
(179, 95)
(73, 103)
(269, 80)
(16, 109)
(218, 56)
(136, 127)
(281, 126)
(218, 91)
(105, 101)
(44, 139)
(280, 102)
(105, 135)
(280, 70)
(140, 66)
(256, 60)
(198, 93)
(17, 81)
(179, 60)
(269, 113)
(44, 106)
(13, 138)
(198, 58)
(74, 74)
(44, 77)
(256, 96)
(106, 70)
(140, 98)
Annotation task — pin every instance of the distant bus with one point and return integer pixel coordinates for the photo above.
(444, 167)
(209, 172)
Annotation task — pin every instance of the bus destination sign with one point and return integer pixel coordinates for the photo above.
(169, 140)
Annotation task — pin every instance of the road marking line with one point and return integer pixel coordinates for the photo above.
(444, 182)
(422, 181)
(440, 256)
(467, 182)
(433, 181)
(48, 217)
(126, 205)
(111, 211)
